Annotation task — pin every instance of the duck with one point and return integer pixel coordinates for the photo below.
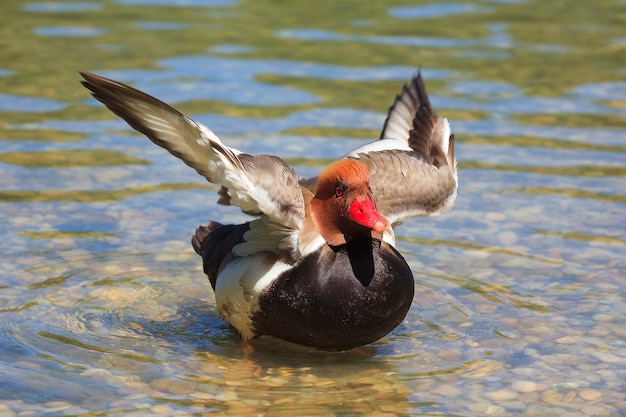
(316, 264)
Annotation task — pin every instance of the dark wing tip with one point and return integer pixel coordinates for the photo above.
(113, 92)
(101, 86)
(90, 81)
(451, 150)
(420, 136)
(104, 90)
(122, 100)
(131, 105)
(420, 88)
(413, 96)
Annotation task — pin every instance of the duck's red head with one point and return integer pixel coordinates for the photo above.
(342, 208)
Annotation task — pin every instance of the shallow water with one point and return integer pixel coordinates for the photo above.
(519, 305)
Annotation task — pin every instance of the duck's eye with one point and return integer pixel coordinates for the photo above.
(338, 192)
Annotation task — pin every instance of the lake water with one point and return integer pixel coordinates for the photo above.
(519, 305)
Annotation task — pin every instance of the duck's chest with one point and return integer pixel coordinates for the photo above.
(340, 298)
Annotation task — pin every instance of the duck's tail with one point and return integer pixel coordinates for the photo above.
(201, 234)
(214, 242)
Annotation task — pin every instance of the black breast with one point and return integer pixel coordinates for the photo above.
(338, 298)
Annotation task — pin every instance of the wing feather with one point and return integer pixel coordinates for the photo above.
(412, 165)
(405, 185)
(261, 185)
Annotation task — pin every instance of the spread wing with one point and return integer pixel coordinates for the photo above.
(260, 185)
(412, 165)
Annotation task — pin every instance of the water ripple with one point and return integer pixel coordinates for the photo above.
(180, 3)
(55, 7)
(18, 103)
(69, 31)
(428, 11)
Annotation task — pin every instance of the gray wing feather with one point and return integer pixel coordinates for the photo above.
(161, 123)
(262, 185)
(405, 185)
(412, 166)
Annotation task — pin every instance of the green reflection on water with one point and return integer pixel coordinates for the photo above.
(537, 142)
(584, 237)
(60, 362)
(308, 162)
(44, 135)
(19, 308)
(51, 282)
(236, 110)
(572, 120)
(92, 196)
(77, 343)
(530, 64)
(71, 158)
(580, 170)
(571, 192)
(497, 293)
(339, 132)
(64, 234)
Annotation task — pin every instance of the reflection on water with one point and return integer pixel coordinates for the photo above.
(56, 7)
(68, 31)
(519, 303)
(10, 102)
(435, 10)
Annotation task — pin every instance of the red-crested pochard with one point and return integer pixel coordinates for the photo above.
(317, 265)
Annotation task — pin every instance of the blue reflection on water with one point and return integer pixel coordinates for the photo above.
(55, 7)
(435, 10)
(520, 104)
(354, 118)
(15, 103)
(603, 91)
(181, 3)
(498, 38)
(220, 78)
(68, 31)
(505, 127)
(226, 68)
(231, 49)
(484, 88)
(327, 35)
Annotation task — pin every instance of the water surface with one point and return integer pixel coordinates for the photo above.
(519, 305)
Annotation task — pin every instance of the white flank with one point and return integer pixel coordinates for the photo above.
(239, 286)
